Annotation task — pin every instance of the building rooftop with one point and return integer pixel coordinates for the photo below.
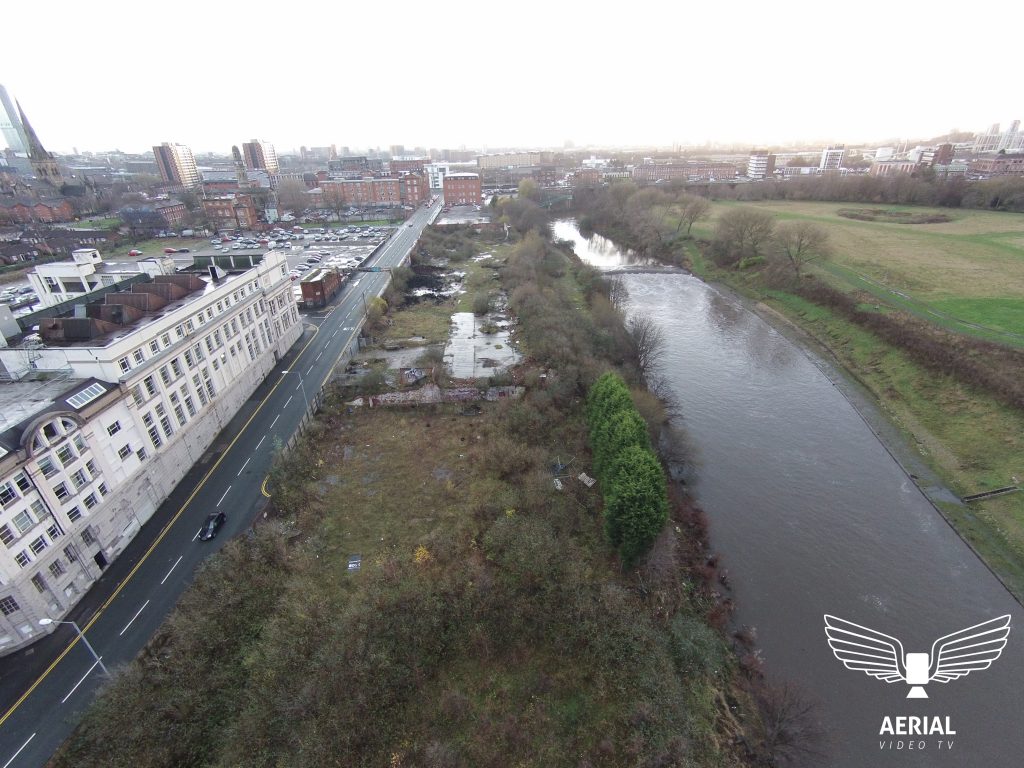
(21, 402)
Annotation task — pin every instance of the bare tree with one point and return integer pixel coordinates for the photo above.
(291, 194)
(790, 734)
(691, 209)
(801, 243)
(741, 233)
(648, 341)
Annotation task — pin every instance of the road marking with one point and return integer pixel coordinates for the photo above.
(310, 370)
(225, 494)
(133, 618)
(259, 443)
(244, 466)
(288, 401)
(156, 542)
(275, 420)
(19, 750)
(197, 534)
(94, 664)
(299, 384)
(173, 566)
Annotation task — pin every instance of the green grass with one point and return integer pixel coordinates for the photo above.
(154, 247)
(97, 223)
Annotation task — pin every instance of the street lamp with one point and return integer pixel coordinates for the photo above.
(81, 636)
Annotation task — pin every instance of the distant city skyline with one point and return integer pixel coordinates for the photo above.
(794, 72)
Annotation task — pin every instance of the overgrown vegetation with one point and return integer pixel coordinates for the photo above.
(490, 623)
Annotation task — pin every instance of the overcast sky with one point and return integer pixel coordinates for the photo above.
(105, 75)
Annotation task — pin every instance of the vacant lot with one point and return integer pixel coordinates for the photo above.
(966, 271)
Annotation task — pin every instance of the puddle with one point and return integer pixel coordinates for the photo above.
(472, 354)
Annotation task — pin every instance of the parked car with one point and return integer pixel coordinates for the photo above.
(183, 250)
(213, 523)
(170, 250)
(134, 252)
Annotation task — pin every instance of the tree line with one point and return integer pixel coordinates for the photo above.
(632, 479)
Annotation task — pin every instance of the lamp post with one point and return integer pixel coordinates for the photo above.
(81, 636)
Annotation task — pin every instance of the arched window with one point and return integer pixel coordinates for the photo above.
(52, 432)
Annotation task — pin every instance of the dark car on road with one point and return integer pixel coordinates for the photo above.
(213, 523)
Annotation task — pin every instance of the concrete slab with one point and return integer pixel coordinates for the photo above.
(471, 354)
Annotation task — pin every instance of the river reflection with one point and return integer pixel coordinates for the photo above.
(812, 515)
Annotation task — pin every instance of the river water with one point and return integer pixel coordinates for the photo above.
(812, 515)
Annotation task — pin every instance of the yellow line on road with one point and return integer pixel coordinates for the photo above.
(156, 541)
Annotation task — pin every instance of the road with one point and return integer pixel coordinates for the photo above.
(45, 689)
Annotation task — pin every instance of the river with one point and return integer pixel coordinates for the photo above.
(812, 515)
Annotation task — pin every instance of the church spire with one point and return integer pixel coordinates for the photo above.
(43, 164)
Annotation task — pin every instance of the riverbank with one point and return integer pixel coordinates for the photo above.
(946, 434)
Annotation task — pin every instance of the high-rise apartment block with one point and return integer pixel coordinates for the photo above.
(260, 155)
(176, 164)
(760, 165)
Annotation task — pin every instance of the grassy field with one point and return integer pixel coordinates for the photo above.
(154, 247)
(966, 274)
(105, 222)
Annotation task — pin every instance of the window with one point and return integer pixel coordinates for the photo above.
(114, 428)
(166, 340)
(23, 521)
(209, 313)
(124, 365)
(75, 514)
(39, 544)
(22, 559)
(165, 375)
(91, 466)
(141, 453)
(189, 359)
(46, 466)
(89, 501)
(38, 509)
(65, 455)
(61, 491)
(79, 443)
(179, 414)
(54, 532)
(176, 367)
(138, 396)
(70, 554)
(7, 494)
(79, 479)
(8, 605)
(150, 384)
(23, 483)
(139, 356)
(7, 535)
(190, 406)
(102, 488)
(87, 537)
(154, 347)
(57, 569)
(38, 582)
(124, 451)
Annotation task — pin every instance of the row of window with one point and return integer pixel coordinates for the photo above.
(138, 356)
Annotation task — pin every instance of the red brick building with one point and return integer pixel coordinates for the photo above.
(27, 211)
(231, 212)
(691, 171)
(998, 165)
(363, 192)
(173, 212)
(402, 165)
(415, 188)
(462, 189)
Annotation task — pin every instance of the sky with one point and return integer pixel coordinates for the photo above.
(119, 75)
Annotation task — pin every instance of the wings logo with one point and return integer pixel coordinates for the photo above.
(951, 657)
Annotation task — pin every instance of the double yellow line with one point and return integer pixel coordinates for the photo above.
(156, 541)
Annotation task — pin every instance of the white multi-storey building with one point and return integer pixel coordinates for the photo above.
(436, 173)
(107, 407)
(831, 158)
